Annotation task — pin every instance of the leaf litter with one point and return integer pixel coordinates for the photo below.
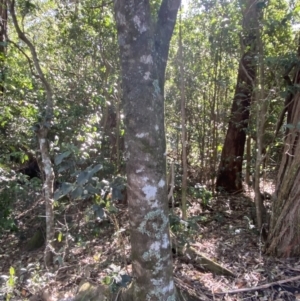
(100, 252)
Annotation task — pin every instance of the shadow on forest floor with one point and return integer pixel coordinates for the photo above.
(101, 251)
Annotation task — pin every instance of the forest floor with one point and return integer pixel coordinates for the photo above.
(223, 232)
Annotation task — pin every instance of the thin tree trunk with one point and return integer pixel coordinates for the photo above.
(3, 41)
(183, 128)
(214, 111)
(41, 131)
(117, 132)
(262, 108)
(248, 160)
(203, 143)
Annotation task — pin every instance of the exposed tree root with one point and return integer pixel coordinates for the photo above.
(90, 292)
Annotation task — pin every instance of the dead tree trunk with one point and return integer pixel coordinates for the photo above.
(230, 168)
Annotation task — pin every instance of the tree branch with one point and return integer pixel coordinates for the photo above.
(22, 36)
(26, 56)
(166, 21)
(42, 133)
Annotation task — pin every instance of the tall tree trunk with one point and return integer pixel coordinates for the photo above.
(229, 174)
(248, 160)
(262, 109)
(214, 114)
(284, 234)
(41, 131)
(3, 36)
(144, 48)
(183, 128)
(117, 131)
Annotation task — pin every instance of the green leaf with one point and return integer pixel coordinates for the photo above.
(98, 211)
(91, 189)
(289, 126)
(65, 165)
(63, 190)
(11, 271)
(58, 159)
(83, 177)
(107, 280)
(77, 193)
(123, 280)
(95, 169)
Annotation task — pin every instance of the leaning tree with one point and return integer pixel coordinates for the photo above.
(230, 168)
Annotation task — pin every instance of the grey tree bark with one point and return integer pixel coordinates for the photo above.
(144, 46)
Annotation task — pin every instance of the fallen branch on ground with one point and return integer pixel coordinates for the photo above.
(256, 288)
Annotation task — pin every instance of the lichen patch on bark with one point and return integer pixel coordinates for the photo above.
(155, 246)
(141, 27)
(166, 241)
(146, 59)
(147, 75)
(150, 192)
(161, 183)
(141, 135)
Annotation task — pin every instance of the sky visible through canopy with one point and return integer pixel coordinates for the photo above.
(185, 2)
